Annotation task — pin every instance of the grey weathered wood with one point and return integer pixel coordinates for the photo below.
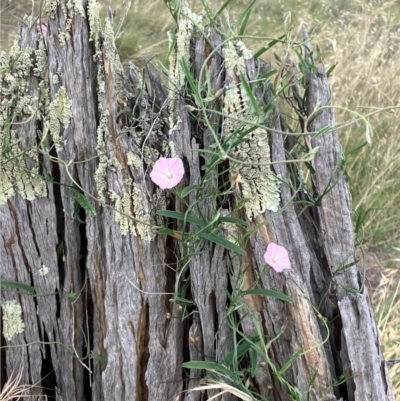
(123, 284)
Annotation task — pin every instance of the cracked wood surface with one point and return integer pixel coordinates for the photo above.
(136, 336)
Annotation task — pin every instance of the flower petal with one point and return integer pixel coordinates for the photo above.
(167, 172)
(277, 257)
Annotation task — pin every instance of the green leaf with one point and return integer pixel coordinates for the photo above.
(260, 52)
(240, 350)
(249, 92)
(217, 239)
(268, 293)
(254, 362)
(99, 358)
(210, 367)
(305, 66)
(271, 105)
(268, 74)
(330, 70)
(172, 233)
(228, 219)
(84, 202)
(322, 131)
(222, 7)
(191, 81)
(182, 301)
(19, 286)
(181, 216)
(355, 148)
(187, 190)
(245, 17)
(289, 362)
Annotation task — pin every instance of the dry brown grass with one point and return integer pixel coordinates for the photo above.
(361, 37)
(13, 390)
(387, 301)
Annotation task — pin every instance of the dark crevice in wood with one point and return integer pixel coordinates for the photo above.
(60, 223)
(3, 365)
(142, 348)
(29, 211)
(87, 376)
(58, 303)
(335, 339)
(83, 251)
(48, 375)
(214, 317)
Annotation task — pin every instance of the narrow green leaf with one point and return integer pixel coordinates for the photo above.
(190, 80)
(260, 52)
(271, 105)
(305, 66)
(172, 233)
(357, 147)
(289, 363)
(210, 367)
(217, 239)
(222, 8)
(330, 70)
(268, 293)
(239, 351)
(181, 216)
(311, 383)
(182, 301)
(245, 17)
(310, 167)
(187, 190)
(254, 362)
(268, 74)
(19, 286)
(249, 92)
(228, 219)
(99, 358)
(84, 202)
(322, 131)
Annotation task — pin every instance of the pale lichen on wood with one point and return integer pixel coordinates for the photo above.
(19, 168)
(12, 319)
(130, 214)
(59, 113)
(181, 53)
(259, 184)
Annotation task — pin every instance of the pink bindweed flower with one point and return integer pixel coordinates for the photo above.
(167, 172)
(42, 28)
(277, 257)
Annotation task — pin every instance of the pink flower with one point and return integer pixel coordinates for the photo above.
(277, 257)
(167, 172)
(42, 28)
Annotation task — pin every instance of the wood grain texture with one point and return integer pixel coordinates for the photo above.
(105, 305)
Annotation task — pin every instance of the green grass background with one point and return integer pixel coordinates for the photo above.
(363, 39)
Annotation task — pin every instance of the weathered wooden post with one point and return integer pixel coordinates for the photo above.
(113, 288)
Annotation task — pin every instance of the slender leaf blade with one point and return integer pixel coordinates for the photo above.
(268, 293)
(217, 239)
(181, 216)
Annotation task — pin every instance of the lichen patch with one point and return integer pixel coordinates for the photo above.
(186, 30)
(131, 216)
(260, 187)
(19, 166)
(12, 319)
(59, 113)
